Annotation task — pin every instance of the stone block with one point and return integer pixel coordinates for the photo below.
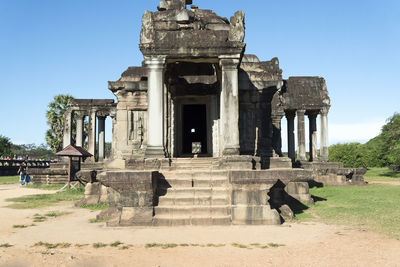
(243, 214)
(131, 216)
(286, 213)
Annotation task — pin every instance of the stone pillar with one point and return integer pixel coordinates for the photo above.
(301, 136)
(229, 107)
(92, 134)
(313, 136)
(291, 138)
(155, 131)
(276, 136)
(79, 129)
(102, 140)
(67, 138)
(324, 135)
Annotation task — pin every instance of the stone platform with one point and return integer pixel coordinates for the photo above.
(199, 196)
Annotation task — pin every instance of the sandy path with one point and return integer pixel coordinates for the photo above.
(305, 244)
(395, 183)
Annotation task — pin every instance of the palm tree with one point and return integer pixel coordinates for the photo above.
(55, 120)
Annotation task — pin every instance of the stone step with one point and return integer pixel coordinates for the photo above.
(186, 220)
(194, 174)
(168, 200)
(194, 192)
(193, 211)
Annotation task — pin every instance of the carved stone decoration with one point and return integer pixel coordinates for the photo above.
(147, 31)
(237, 28)
(173, 4)
(136, 128)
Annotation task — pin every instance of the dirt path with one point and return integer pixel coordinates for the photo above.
(305, 244)
(395, 183)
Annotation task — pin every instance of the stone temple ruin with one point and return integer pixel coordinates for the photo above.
(197, 130)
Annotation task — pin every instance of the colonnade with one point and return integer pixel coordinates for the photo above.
(229, 106)
(301, 135)
(96, 130)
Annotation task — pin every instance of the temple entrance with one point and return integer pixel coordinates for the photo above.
(194, 130)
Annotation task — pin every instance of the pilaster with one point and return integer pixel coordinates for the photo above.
(301, 136)
(312, 117)
(155, 110)
(291, 137)
(324, 149)
(229, 106)
(67, 135)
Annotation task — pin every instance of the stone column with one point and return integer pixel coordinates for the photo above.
(313, 136)
(229, 107)
(92, 134)
(155, 131)
(324, 135)
(276, 136)
(79, 129)
(102, 140)
(291, 138)
(67, 138)
(301, 136)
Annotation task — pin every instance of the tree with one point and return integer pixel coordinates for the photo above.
(55, 120)
(5, 146)
(353, 155)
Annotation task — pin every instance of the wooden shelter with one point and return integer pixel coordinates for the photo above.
(74, 154)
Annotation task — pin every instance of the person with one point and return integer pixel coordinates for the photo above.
(22, 173)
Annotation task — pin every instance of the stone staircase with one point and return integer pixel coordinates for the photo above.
(193, 197)
(205, 163)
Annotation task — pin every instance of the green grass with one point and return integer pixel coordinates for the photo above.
(100, 206)
(20, 226)
(116, 244)
(99, 245)
(44, 200)
(44, 187)
(382, 174)
(237, 245)
(373, 207)
(5, 245)
(51, 245)
(96, 221)
(163, 246)
(57, 213)
(9, 179)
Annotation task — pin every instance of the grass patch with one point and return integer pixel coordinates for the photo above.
(101, 206)
(99, 245)
(81, 245)
(382, 174)
(125, 247)
(39, 218)
(5, 245)
(44, 186)
(237, 245)
(373, 207)
(274, 245)
(57, 213)
(20, 226)
(96, 221)
(51, 245)
(44, 200)
(9, 179)
(163, 246)
(116, 244)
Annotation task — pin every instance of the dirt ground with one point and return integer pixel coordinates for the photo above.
(303, 244)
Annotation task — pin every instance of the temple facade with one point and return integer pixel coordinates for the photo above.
(196, 133)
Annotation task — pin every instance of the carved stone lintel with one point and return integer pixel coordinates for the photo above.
(147, 31)
(237, 28)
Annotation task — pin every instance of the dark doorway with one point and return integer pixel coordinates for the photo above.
(194, 127)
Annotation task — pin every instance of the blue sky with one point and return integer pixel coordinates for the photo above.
(52, 47)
